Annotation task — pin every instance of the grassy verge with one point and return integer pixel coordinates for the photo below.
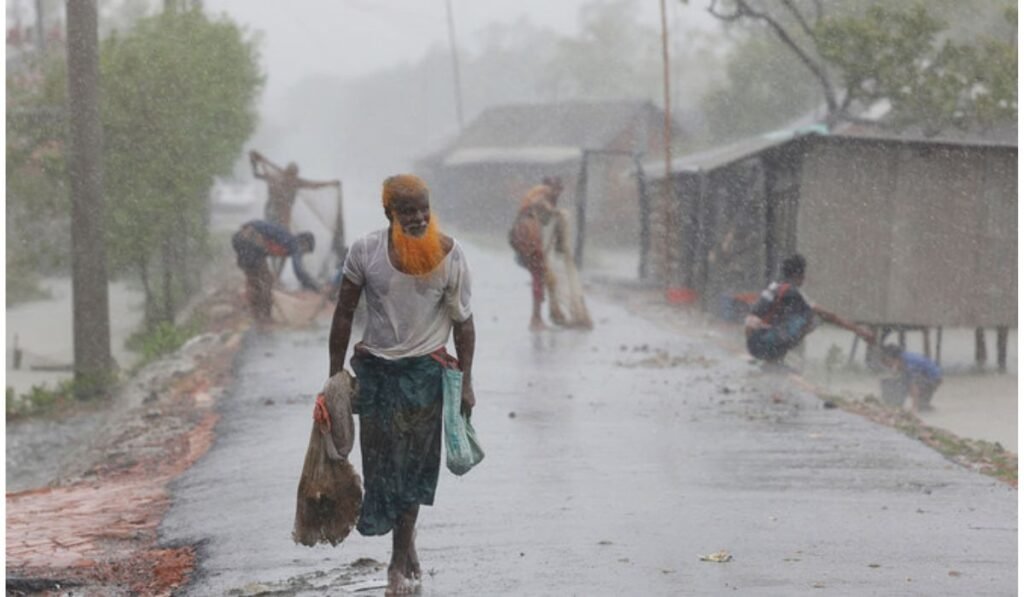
(989, 458)
(44, 400)
(163, 339)
(40, 400)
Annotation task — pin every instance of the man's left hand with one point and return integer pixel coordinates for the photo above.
(468, 398)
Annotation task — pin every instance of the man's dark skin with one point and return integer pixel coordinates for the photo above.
(282, 186)
(413, 215)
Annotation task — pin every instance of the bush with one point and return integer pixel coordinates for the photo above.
(163, 339)
(40, 400)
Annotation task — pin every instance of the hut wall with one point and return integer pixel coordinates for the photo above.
(910, 233)
(733, 230)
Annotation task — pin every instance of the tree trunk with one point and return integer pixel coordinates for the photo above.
(167, 262)
(90, 302)
(149, 311)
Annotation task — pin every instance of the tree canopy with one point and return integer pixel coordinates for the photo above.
(178, 101)
(861, 52)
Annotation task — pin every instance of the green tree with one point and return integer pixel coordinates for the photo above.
(765, 87)
(178, 93)
(896, 55)
(614, 57)
(179, 103)
(859, 52)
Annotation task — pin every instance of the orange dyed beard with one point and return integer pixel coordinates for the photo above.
(418, 256)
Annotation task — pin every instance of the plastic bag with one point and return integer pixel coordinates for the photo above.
(330, 492)
(462, 448)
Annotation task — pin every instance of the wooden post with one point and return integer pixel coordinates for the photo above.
(338, 238)
(853, 351)
(645, 217)
(901, 337)
(926, 340)
(581, 208)
(455, 63)
(938, 345)
(667, 200)
(1002, 332)
(980, 352)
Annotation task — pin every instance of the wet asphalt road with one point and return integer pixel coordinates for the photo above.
(607, 473)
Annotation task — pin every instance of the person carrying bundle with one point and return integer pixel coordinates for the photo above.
(416, 283)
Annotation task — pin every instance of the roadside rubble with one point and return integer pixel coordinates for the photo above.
(94, 530)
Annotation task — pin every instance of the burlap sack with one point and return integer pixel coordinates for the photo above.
(330, 492)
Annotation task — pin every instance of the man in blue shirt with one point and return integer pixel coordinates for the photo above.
(253, 243)
(920, 375)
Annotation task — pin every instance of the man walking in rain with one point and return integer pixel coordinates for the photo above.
(536, 209)
(417, 287)
(782, 316)
(282, 186)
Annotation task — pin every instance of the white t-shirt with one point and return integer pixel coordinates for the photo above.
(407, 316)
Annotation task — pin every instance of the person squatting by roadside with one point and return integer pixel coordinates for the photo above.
(919, 375)
(536, 209)
(253, 243)
(782, 316)
(416, 283)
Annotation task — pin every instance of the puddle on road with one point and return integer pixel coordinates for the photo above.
(362, 577)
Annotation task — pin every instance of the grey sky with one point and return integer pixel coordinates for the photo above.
(353, 37)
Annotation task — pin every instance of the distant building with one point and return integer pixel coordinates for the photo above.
(898, 229)
(483, 173)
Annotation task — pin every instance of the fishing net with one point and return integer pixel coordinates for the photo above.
(565, 289)
(319, 211)
(330, 492)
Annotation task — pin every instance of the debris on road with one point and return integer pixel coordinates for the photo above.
(721, 556)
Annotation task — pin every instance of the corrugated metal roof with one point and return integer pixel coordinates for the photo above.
(553, 154)
(588, 125)
(727, 154)
(1005, 136)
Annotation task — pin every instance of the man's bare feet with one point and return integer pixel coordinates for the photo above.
(537, 325)
(412, 565)
(399, 583)
(557, 317)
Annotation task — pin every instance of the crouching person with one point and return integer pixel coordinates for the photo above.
(919, 375)
(253, 243)
(782, 316)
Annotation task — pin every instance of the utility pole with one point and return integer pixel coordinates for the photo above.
(669, 209)
(40, 28)
(90, 307)
(455, 63)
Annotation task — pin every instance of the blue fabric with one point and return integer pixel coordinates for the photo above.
(279, 236)
(916, 365)
(772, 344)
(461, 446)
(399, 405)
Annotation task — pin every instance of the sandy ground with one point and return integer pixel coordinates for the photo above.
(970, 403)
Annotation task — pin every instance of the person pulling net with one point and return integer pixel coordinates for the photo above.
(539, 231)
